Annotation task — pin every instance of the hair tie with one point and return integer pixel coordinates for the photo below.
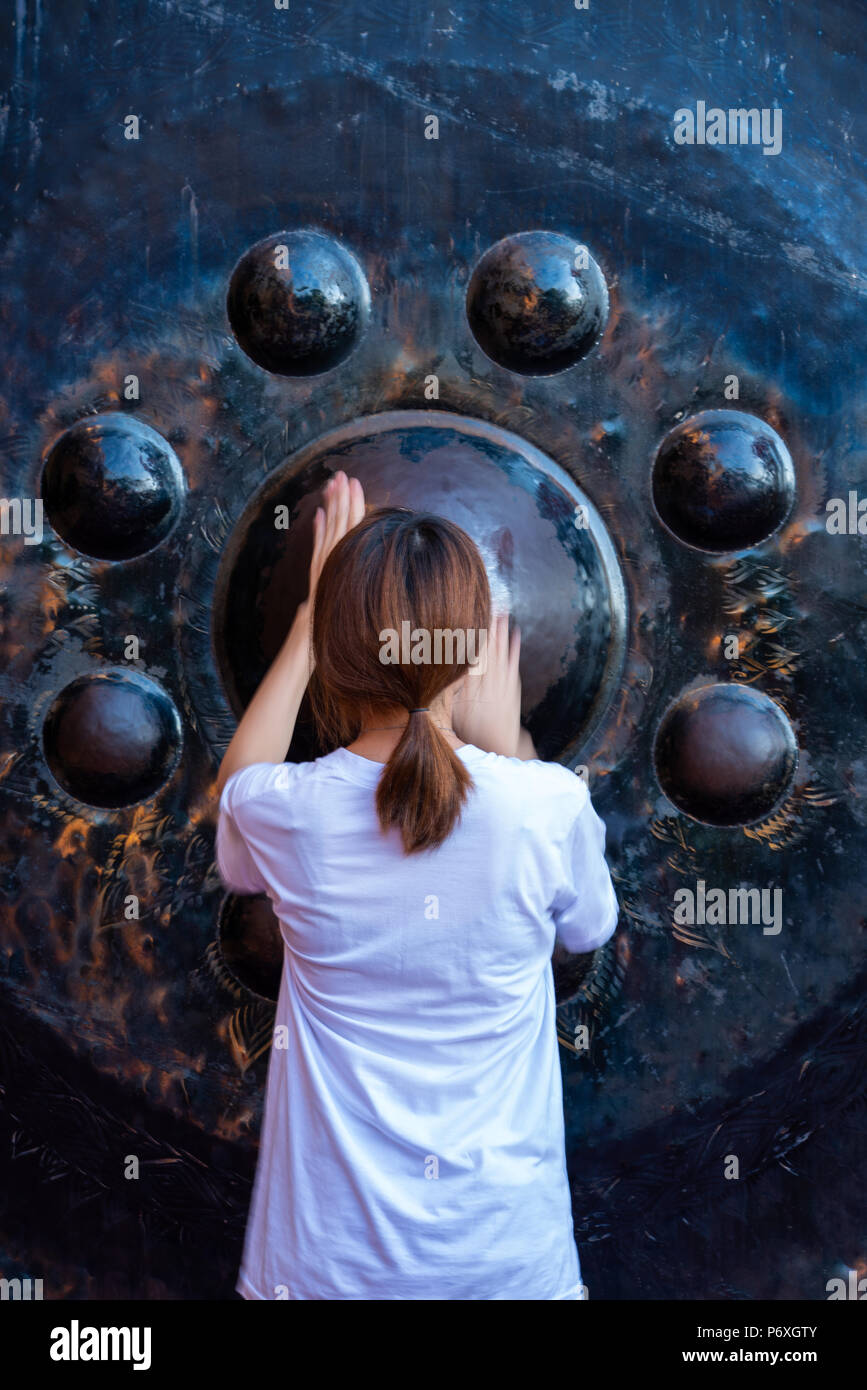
(420, 710)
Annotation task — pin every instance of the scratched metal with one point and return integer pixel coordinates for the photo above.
(151, 1037)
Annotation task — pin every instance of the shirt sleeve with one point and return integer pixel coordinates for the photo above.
(236, 863)
(585, 908)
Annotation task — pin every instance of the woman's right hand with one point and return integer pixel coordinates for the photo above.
(344, 508)
(487, 708)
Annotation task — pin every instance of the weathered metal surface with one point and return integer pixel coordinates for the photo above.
(149, 1035)
(560, 580)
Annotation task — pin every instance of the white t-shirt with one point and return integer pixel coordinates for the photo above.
(413, 1143)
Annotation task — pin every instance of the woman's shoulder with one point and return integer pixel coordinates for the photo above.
(261, 779)
(532, 776)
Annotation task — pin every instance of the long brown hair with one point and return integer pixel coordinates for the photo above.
(400, 572)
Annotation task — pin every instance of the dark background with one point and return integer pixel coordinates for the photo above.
(136, 1038)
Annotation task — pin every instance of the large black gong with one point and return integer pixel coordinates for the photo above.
(462, 251)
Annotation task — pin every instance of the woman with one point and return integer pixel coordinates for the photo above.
(413, 1138)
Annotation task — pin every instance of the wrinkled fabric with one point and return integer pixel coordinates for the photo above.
(412, 1145)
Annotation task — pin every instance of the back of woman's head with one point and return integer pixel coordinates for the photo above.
(401, 611)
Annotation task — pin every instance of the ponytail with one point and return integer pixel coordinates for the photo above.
(398, 567)
(423, 786)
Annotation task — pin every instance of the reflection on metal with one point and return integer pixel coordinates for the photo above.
(133, 1034)
(537, 303)
(112, 487)
(723, 480)
(112, 739)
(725, 754)
(298, 303)
(561, 580)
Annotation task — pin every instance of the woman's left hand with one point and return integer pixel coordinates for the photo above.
(266, 729)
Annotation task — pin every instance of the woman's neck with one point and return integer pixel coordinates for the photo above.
(380, 736)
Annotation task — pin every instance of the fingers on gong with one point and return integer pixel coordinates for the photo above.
(356, 502)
